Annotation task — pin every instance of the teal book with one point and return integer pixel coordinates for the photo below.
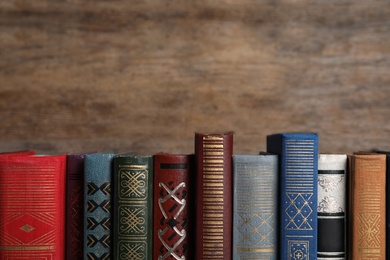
(97, 210)
(133, 209)
(255, 206)
(298, 169)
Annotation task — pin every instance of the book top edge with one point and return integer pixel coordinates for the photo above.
(296, 135)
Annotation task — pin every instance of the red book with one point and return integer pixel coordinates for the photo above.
(213, 153)
(32, 207)
(17, 153)
(173, 223)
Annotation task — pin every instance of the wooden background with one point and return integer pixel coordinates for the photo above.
(144, 75)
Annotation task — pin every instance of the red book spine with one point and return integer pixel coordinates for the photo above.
(213, 153)
(32, 207)
(173, 198)
(18, 153)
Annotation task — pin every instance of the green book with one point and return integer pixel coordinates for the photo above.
(133, 209)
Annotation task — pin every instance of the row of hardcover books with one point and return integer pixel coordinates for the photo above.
(289, 203)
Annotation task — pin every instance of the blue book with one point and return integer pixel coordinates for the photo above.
(255, 206)
(298, 166)
(97, 210)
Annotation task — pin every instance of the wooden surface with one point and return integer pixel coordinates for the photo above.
(145, 75)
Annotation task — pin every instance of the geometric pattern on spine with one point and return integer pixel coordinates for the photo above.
(171, 204)
(98, 221)
(369, 233)
(298, 250)
(105, 188)
(132, 220)
(299, 181)
(132, 183)
(32, 208)
(28, 229)
(255, 229)
(92, 256)
(92, 205)
(298, 211)
(255, 207)
(133, 211)
(134, 250)
(105, 241)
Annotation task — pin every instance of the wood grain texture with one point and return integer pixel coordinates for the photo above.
(145, 75)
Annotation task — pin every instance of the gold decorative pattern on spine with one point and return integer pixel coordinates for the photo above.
(213, 196)
(369, 217)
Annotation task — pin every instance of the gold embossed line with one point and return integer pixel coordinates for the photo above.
(134, 167)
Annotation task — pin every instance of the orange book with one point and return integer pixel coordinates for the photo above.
(367, 206)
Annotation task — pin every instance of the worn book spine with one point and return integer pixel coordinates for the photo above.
(32, 207)
(367, 216)
(298, 162)
(173, 202)
(74, 207)
(133, 208)
(213, 154)
(255, 206)
(97, 206)
(331, 210)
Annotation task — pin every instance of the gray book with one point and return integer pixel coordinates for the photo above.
(255, 206)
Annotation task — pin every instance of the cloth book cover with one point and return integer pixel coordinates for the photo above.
(97, 206)
(332, 198)
(173, 202)
(32, 207)
(214, 217)
(74, 207)
(133, 208)
(255, 206)
(367, 216)
(298, 166)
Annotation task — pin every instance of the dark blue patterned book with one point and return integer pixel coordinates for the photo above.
(298, 162)
(255, 206)
(97, 212)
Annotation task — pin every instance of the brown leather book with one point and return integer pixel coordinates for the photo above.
(367, 224)
(213, 153)
(173, 202)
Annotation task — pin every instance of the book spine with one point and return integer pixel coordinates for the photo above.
(213, 153)
(74, 207)
(298, 193)
(388, 206)
(97, 203)
(331, 207)
(32, 207)
(367, 206)
(133, 209)
(255, 206)
(173, 197)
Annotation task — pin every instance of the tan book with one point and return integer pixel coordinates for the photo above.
(367, 217)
